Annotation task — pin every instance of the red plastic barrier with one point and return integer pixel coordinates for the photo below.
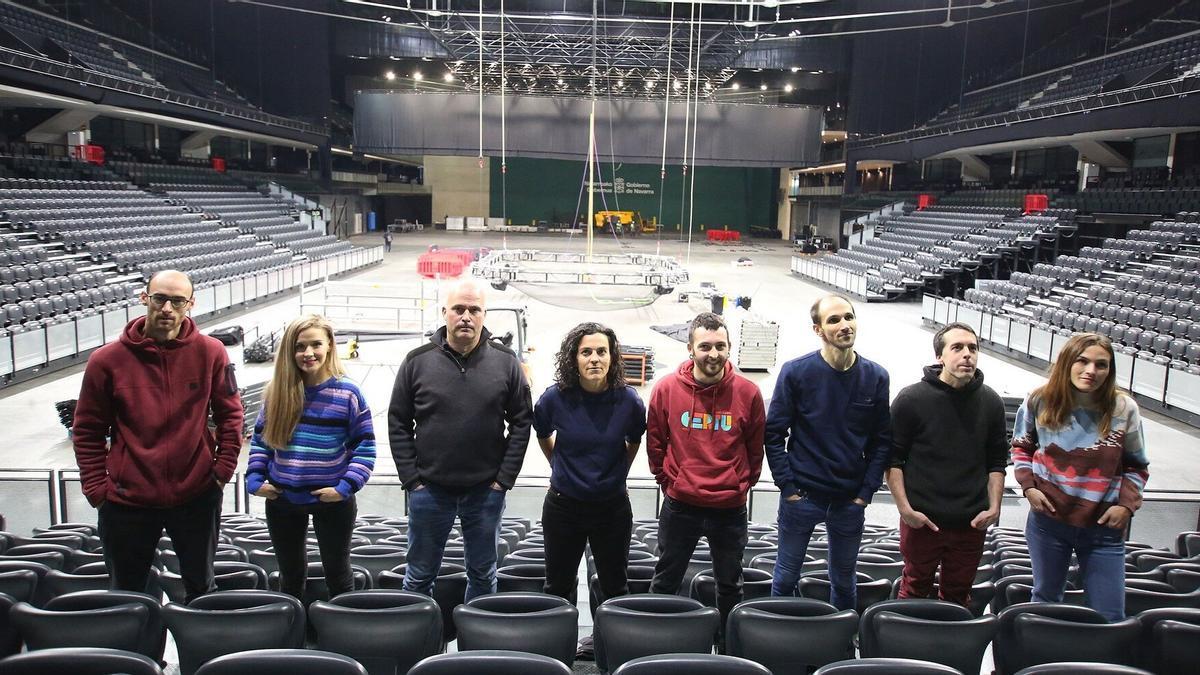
(440, 265)
(218, 164)
(92, 154)
(724, 235)
(925, 201)
(1036, 203)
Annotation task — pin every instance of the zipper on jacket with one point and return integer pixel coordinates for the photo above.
(450, 352)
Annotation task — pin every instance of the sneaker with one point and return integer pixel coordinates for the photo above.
(586, 650)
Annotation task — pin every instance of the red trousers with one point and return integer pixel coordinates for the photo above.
(956, 550)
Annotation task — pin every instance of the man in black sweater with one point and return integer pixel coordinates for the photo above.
(950, 451)
(459, 425)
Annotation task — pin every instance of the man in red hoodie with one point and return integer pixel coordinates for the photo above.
(147, 460)
(704, 439)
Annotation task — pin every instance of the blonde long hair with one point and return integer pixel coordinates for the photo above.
(1057, 395)
(283, 399)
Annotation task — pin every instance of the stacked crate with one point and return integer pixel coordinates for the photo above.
(758, 343)
(639, 364)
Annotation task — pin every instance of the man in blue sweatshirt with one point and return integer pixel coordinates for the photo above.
(828, 442)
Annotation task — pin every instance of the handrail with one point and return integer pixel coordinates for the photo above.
(74, 73)
(1180, 86)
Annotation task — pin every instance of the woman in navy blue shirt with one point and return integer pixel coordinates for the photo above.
(589, 424)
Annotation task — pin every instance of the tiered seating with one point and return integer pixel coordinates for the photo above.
(1141, 292)
(163, 177)
(54, 38)
(1160, 586)
(1137, 65)
(265, 217)
(919, 247)
(1132, 200)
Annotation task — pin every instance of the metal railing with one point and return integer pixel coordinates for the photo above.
(74, 73)
(1178, 87)
(32, 498)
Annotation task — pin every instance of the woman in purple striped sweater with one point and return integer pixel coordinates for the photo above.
(313, 447)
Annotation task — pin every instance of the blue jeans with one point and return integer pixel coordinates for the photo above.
(431, 512)
(1101, 554)
(844, 525)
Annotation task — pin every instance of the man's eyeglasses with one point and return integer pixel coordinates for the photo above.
(177, 302)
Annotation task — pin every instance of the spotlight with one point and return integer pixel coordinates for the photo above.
(795, 69)
(787, 88)
(735, 86)
(677, 85)
(448, 77)
(418, 76)
(762, 87)
(389, 75)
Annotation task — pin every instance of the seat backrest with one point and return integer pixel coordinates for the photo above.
(202, 635)
(691, 664)
(386, 630)
(959, 644)
(114, 627)
(1010, 653)
(640, 625)
(246, 599)
(527, 622)
(492, 662)
(79, 661)
(283, 662)
(883, 666)
(154, 637)
(784, 633)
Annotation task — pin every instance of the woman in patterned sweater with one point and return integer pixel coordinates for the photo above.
(313, 447)
(1078, 454)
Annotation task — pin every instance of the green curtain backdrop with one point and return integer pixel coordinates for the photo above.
(734, 198)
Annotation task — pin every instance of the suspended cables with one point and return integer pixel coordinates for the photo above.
(662, 169)
(687, 119)
(503, 129)
(693, 74)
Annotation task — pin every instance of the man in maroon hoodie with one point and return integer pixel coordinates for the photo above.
(704, 439)
(147, 460)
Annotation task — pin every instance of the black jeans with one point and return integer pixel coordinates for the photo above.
(680, 526)
(130, 537)
(568, 525)
(288, 525)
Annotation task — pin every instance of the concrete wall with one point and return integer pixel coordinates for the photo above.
(459, 186)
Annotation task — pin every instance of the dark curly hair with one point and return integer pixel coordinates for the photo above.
(566, 367)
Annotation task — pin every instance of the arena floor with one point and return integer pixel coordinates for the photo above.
(891, 334)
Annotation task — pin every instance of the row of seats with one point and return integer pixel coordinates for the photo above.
(44, 311)
(1150, 301)
(38, 288)
(30, 272)
(802, 630)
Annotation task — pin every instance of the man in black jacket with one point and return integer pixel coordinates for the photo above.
(950, 450)
(459, 425)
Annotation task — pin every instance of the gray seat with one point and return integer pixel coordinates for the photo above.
(790, 634)
(388, 631)
(492, 662)
(529, 622)
(928, 630)
(1034, 633)
(153, 638)
(113, 627)
(880, 666)
(631, 626)
(79, 661)
(283, 662)
(691, 664)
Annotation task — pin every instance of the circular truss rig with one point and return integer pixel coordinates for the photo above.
(613, 280)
